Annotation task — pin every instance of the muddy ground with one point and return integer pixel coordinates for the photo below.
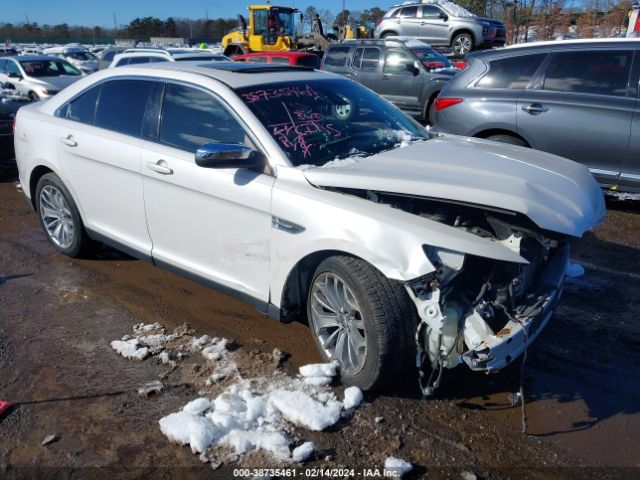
(58, 317)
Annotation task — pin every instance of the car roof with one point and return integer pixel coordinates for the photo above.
(578, 42)
(234, 74)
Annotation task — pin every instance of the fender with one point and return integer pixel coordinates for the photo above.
(389, 239)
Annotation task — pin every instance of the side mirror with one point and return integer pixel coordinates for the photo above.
(229, 155)
(414, 68)
(443, 16)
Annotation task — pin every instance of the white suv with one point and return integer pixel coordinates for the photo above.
(310, 197)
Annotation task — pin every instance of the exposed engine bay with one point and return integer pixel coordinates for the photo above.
(476, 310)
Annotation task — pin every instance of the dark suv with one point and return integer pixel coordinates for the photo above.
(408, 73)
(577, 99)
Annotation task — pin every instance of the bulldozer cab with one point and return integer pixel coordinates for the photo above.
(270, 29)
(269, 23)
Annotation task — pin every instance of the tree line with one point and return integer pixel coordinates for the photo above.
(525, 20)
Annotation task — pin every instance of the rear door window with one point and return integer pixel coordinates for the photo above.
(192, 118)
(366, 58)
(337, 57)
(512, 73)
(121, 106)
(409, 12)
(600, 72)
(82, 109)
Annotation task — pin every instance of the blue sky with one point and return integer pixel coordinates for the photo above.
(77, 12)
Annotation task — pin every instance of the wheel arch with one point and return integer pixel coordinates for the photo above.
(387, 32)
(464, 30)
(293, 295)
(500, 131)
(37, 173)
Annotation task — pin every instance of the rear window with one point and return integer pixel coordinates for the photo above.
(336, 57)
(595, 72)
(122, 104)
(512, 73)
(309, 61)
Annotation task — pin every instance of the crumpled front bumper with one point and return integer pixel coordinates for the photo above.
(499, 350)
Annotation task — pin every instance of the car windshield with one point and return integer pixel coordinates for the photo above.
(81, 56)
(317, 121)
(49, 68)
(431, 59)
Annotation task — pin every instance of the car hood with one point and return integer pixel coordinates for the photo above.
(555, 193)
(57, 83)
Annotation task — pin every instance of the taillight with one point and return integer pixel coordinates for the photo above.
(14, 125)
(446, 102)
(378, 22)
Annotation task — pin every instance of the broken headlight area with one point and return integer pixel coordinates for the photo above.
(484, 312)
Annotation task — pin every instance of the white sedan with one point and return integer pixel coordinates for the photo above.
(313, 199)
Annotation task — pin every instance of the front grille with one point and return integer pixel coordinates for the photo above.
(6, 127)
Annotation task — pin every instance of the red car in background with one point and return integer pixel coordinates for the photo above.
(303, 59)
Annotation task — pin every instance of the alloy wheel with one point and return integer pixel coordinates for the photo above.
(56, 217)
(337, 322)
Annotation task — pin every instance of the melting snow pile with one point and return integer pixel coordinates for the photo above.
(396, 465)
(249, 414)
(258, 414)
(143, 343)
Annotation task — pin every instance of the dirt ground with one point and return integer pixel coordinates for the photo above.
(58, 317)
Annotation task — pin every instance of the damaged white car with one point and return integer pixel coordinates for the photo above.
(311, 197)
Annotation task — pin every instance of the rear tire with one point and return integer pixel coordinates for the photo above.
(373, 315)
(506, 138)
(60, 219)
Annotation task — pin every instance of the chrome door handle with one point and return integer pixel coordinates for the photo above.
(160, 167)
(534, 109)
(69, 141)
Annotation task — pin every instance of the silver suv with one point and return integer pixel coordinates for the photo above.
(442, 23)
(575, 98)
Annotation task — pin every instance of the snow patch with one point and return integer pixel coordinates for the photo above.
(197, 406)
(396, 465)
(130, 349)
(216, 350)
(352, 397)
(318, 370)
(301, 409)
(185, 428)
(303, 452)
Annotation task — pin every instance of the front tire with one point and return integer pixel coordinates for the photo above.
(59, 217)
(361, 319)
(462, 44)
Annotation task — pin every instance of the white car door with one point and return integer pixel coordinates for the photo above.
(99, 150)
(211, 223)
